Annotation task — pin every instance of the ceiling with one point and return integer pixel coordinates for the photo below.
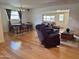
(35, 3)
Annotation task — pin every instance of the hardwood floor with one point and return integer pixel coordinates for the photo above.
(27, 46)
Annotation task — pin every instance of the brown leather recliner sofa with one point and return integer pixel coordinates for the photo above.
(49, 37)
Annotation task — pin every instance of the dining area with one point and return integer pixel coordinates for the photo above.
(20, 28)
(18, 22)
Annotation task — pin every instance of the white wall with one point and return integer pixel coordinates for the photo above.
(25, 16)
(73, 15)
(1, 30)
(4, 20)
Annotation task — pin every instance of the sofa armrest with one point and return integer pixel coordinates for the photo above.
(53, 36)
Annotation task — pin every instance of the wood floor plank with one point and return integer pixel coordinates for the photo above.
(28, 46)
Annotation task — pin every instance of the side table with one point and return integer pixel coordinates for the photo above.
(67, 36)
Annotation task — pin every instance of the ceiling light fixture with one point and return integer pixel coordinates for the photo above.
(20, 6)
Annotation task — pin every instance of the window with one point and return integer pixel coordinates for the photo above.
(49, 18)
(52, 18)
(14, 15)
(61, 17)
(14, 18)
(44, 18)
